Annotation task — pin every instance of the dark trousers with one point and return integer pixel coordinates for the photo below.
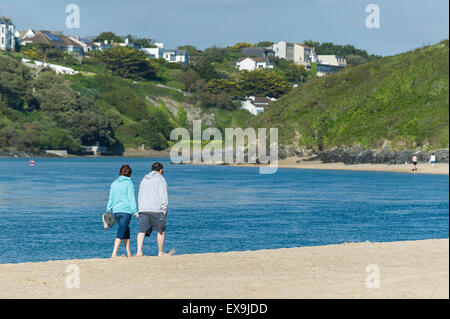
(123, 221)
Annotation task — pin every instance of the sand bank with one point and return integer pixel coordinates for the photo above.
(293, 162)
(414, 269)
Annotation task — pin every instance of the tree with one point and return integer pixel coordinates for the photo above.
(109, 36)
(263, 83)
(296, 73)
(182, 119)
(355, 60)
(240, 45)
(141, 42)
(217, 86)
(15, 80)
(58, 139)
(205, 68)
(343, 50)
(191, 50)
(264, 44)
(191, 80)
(77, 114)
(215, 54)
(148, 130)
(221, 101)
(128, 63)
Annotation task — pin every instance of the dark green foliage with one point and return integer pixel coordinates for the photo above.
(296, 73)
(218, 86)
(47, 51)
(182, 119)
(15, 89)
(58, 139)
(343, 50)
(77, 114)
(191, 50)
(205, 68)
(264, 44)
(263, 83)
(109, 36)
(128, 63)
(127, 103)
(354, 60)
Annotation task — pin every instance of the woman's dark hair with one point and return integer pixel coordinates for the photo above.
(157, 167)
(125, 170)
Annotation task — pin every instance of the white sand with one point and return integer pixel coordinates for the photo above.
(294, 162)
(414, 269)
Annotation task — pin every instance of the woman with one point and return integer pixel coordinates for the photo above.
(122, 204)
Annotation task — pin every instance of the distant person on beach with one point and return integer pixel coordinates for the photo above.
(153, 204)
(414, 161)
(432, 160)
(122, 204)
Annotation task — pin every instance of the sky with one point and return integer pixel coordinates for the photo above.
(404, 24)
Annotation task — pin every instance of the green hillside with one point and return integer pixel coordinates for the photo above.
(401, 101)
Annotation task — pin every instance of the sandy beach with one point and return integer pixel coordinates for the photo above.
(295, 162)
(409, 269)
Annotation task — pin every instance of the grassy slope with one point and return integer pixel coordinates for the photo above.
(402, 100)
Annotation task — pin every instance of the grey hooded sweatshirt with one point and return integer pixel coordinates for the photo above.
(153, 197)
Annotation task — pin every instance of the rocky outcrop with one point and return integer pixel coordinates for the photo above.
(13, 153)
(359, 155)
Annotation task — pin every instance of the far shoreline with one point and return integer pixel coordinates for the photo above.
(297, 163)
(289, 162)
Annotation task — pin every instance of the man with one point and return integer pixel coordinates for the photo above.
(153, 204)
(432, 160)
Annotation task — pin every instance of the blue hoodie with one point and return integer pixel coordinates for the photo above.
(121, 196)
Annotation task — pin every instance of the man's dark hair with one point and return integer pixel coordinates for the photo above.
(157, 167)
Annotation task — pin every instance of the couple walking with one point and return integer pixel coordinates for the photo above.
(151, 209)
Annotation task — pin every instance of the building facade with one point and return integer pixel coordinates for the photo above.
(295, 52)
(329, 64)
(256, 104)
(7, 34)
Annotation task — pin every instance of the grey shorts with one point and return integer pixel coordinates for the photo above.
(150, 221)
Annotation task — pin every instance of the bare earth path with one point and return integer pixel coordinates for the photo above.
(414, 269)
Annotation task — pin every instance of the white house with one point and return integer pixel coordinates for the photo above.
(251, 64)
(154, 53)
(256, 105)
(7, 34)
(177, 56)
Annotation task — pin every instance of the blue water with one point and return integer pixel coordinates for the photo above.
(53, 210)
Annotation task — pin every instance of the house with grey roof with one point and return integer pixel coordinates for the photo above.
(56, 38)
(258, 52)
